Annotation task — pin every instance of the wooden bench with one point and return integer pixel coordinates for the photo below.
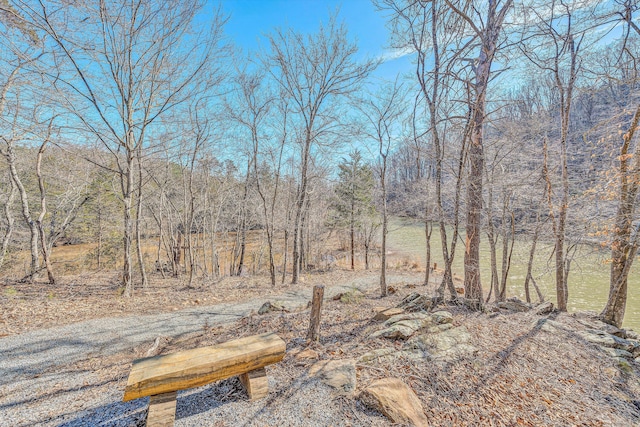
(162, 376)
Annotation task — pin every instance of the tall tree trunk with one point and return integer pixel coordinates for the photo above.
(10, 221)
(126, 179)
(625, 239)
(428, 230)
(352, 232)
(43, 212)
(300, 203)
(488, 38)
(383, 257)
(141, 266)
(26, 214)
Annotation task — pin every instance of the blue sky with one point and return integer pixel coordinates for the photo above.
(250, 20)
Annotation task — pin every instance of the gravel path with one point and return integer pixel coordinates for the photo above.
(34, 362)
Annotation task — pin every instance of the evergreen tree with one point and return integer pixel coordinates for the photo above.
(353, 201)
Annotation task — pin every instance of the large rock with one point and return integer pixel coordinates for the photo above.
(616, 352)
(396, 401)
(442, 317)
(400, 330)
(514, 304)
(402, 326)
(424, 318)
(447, 345)
(415, 302)
(544, 308)
(440, 328)
(602, 338)
(592, 323)
(387, 313)
(338, 374)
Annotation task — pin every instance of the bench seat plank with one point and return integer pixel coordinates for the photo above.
(200, 366)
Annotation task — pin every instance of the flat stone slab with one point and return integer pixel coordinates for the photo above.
(605, 339)
(446, 345)
(387, 313)
(337, 374)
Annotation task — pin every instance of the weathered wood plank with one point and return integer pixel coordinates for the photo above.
(200, 366)
(256, 383)
(162, 410)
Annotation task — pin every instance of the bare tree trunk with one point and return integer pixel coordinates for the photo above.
(10, 221)
(508, 241)
(488, 45)
(300, 202)
(352, 233)
(143, 271)
(428, 231)
(383, 257)
(126, 179)
(26, 214)
(625, 239)
(43, 212)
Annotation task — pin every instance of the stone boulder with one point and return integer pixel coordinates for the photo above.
(444, 346)
(605, 339)
(387, 313)
(402, 326)
(442, 317)
(616, 352)
(395, 400)
(268, 307)
(514, 304)
(543, 308)
(400, 330)
(424, 319)
(338, 374)
(415, 302)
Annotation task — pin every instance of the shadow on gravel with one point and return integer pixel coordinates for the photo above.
(125, 414)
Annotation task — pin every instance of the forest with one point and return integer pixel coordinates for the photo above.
(136, 132)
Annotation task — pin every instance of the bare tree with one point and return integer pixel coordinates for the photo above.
(554, 48)
(626, 233)
(150, 58)
(314, 71)
(487, 32)
(383, 112)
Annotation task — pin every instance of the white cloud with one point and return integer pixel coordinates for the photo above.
(392, 54)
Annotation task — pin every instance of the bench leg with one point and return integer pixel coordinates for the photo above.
(256, 384)
(162, 410)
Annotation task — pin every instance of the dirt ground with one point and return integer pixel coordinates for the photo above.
(520, 376)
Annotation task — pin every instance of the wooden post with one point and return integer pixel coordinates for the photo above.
(162, 410)
(256, 383)
(316, 307)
